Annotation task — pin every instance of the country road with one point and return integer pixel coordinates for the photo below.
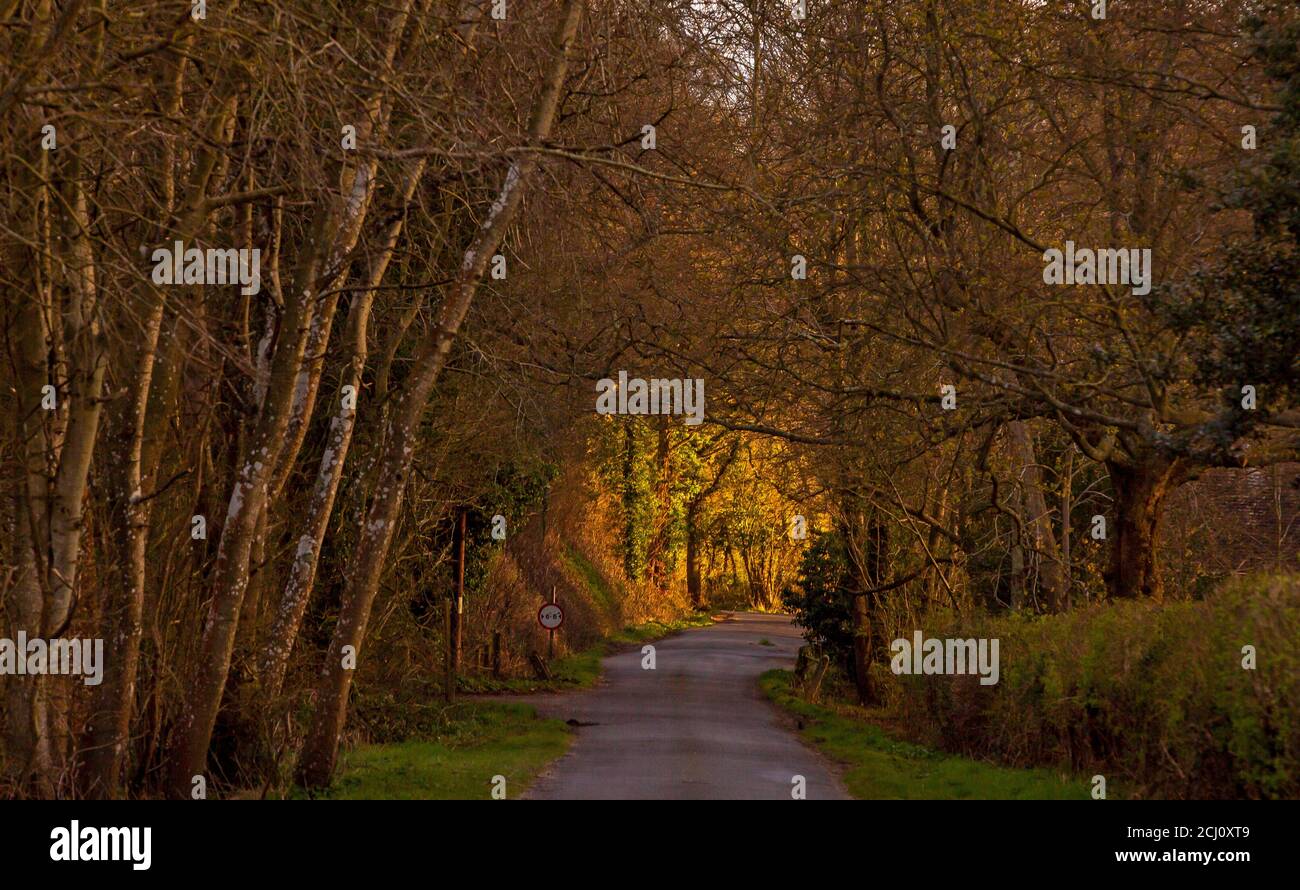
(696, 727)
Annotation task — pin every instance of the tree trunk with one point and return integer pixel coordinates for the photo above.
(693, 587)
(230, 574)
(1139, 491)
(863, 639)
(58, 339)
(1067, 507)
(302, 574)
(632, 566)
(320, 750)
(288, 400)
(1039, 519)
(866, 548)
(126, 539)
(87, 365)
(108, 725)
(657, 556)
(38, 437)
(27, 743)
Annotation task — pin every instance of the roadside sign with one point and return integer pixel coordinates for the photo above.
(550, 616)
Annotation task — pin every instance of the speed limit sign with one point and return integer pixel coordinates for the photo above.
(550, 616)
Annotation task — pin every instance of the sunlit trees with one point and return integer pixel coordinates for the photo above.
(837, 222)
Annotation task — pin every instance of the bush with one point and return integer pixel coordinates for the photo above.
(819, 601)
(1152, 696)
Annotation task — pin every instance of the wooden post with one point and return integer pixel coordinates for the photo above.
(815, 685)
(540, 667)
(801, 663)
(458, 613)
(449, 674)
(550, 634)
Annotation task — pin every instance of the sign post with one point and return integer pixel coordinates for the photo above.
(550, 616)
(454, 616)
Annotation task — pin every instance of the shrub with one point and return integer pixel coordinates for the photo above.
(1152, 696)
(819, 601)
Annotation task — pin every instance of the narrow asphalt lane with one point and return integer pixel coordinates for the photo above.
(695, 727)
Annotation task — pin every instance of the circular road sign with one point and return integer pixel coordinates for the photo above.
(550, 616)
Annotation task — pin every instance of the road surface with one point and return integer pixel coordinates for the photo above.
(696, 727)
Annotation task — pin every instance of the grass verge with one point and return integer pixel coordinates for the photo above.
(878, 767)
(485, 739)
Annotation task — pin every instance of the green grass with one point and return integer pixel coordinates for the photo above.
(654, 630)
(878, 767)
(485, 739)
(601, 593)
